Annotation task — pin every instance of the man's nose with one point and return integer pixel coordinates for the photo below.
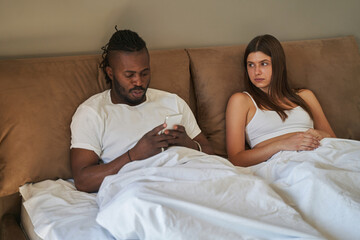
(137, 80)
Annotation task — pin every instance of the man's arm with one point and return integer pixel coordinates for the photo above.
(204, 143)
(179, 137)
(88, 174)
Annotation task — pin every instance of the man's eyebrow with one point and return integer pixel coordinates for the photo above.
(145, 69)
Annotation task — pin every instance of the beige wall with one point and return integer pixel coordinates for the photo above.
(31, 28)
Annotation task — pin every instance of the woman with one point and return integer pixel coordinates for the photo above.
(322, 183)
(271, 116)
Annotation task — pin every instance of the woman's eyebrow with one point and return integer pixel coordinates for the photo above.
(264, 60)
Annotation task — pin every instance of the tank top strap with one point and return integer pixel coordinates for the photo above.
(251, 99)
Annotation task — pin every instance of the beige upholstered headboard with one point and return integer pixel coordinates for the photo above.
(38, 98)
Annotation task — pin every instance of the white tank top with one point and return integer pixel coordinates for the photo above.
(267, 124)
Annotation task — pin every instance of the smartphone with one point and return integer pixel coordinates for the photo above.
(172, 120)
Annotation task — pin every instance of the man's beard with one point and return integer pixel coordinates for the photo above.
(120, 91)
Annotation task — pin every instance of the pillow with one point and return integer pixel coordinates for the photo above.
(37, 100)
(217, 74)
(331, 69)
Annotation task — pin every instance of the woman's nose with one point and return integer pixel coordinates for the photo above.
(257, 70)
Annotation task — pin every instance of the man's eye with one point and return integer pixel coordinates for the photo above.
(129, 76)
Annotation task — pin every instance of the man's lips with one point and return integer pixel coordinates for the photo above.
(137, 92)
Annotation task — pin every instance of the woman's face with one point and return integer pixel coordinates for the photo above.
(259, 70)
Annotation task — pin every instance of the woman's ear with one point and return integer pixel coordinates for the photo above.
(109, 72)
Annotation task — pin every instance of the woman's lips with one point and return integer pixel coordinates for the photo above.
(259, 79)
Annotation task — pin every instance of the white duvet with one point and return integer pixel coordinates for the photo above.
(185, 194)
(323, 185)
(178, 194)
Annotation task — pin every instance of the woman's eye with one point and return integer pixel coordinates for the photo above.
(250, 64)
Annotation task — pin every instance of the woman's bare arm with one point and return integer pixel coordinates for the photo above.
(237, 116)
(321, 124)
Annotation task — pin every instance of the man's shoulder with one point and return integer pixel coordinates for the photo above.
(96, 99)
(158, 94)
(94, 104)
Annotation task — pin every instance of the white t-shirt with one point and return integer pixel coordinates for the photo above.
(111, 129)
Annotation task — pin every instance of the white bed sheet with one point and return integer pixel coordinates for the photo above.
(58, 211)
(323, 185)
(27, 225)
(178, 194)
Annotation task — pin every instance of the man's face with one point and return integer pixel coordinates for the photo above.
(130, 75)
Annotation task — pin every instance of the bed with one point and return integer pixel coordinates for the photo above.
(38, 97)
(177, 194)
(184, 194)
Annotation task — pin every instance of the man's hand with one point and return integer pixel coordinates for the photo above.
(179, 137)
(150, 144)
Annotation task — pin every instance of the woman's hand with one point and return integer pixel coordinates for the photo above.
(302, 141)
(318, 133)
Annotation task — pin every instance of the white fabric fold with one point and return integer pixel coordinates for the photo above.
(323, 185)
(185, 194)
(59, 212)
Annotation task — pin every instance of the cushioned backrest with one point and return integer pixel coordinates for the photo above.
(217, 74)
(171, 72)
(38, 98)
(329, 67)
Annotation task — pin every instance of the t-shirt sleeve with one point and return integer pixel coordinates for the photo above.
(188, 120)
(86, 130)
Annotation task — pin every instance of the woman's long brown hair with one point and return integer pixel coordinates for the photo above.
(279, 87)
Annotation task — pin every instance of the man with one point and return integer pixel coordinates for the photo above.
(179, 193)
(122, 124)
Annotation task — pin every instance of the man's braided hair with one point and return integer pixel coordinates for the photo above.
(121, 40)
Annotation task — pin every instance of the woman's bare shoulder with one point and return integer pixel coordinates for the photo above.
(306, 94)
(303, 91)
(240, 97)
(239, 103)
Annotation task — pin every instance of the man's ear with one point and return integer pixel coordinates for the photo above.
(109, 72)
